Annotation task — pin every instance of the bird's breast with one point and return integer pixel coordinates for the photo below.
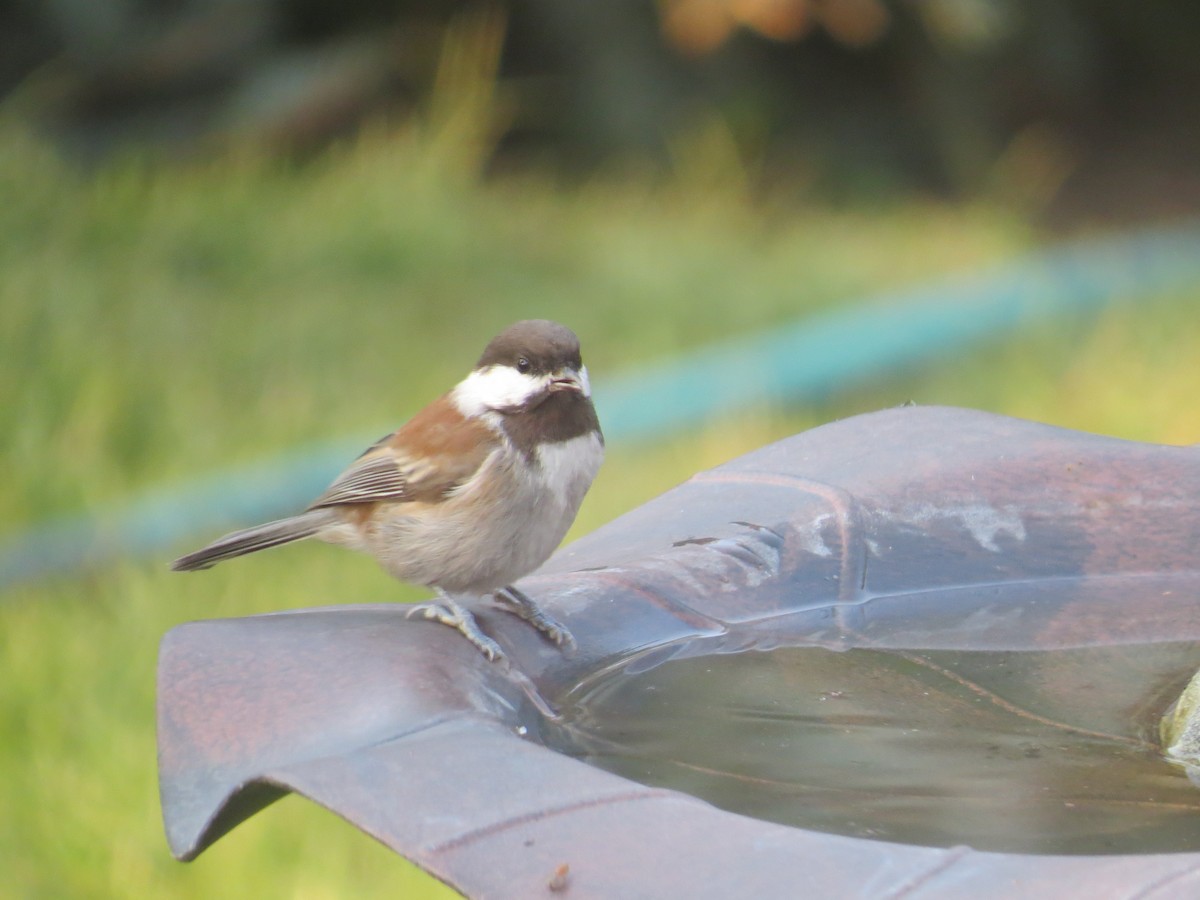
(567, 468)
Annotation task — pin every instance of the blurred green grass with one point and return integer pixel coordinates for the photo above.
(160, 322)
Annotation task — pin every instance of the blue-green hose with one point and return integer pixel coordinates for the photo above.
(807, 359)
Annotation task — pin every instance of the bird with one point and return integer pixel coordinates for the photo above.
(474, 492)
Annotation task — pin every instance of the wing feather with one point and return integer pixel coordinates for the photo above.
(369, 479)
(425, 461)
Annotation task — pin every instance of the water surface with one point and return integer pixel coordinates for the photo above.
(1021, 751)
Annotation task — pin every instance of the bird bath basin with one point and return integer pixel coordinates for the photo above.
(920, 652)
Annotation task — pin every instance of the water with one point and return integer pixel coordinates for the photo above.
(1033, 752)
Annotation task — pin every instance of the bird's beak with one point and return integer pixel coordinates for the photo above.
(568, 380)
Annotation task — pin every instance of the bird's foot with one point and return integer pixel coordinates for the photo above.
(519, 604)
(448, 612)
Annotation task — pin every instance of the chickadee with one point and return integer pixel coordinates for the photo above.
(474, 492)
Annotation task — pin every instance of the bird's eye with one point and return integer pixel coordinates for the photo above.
(522, 364)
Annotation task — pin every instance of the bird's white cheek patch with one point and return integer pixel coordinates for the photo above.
(584, 382)
(495, 387)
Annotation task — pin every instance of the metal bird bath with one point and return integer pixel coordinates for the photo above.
(974, 574)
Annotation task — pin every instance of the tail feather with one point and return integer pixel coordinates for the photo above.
(260, 537)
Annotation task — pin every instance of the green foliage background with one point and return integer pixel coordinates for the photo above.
(163, 322)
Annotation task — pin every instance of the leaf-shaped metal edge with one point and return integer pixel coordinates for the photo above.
(903, 528)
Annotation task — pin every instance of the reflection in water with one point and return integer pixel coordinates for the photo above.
(1036, 752)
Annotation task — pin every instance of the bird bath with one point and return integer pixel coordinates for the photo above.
(919, 651)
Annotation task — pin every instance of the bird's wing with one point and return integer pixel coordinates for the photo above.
(370, 478)
(425, 460)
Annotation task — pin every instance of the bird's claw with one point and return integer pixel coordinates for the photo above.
(519, 604)
(459, 618)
